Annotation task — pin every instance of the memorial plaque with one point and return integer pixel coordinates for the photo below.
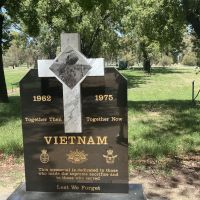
(93, 161)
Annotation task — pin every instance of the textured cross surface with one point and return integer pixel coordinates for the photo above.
(71, 68)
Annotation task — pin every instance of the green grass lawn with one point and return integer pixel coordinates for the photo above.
(162, 120)
(10, 120)
(10, 127)
(13, 76)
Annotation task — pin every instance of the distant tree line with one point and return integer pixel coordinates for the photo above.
(141, 31)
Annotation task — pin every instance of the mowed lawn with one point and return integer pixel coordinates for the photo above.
(13, 76)
(10, 120)
(163, 121)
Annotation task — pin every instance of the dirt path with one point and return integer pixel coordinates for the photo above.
(176, 187)
(11, 175)
(183, 182)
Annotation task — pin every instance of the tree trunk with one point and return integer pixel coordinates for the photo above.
(35, 63)
(192, 16)
(146, 59)
(87, 48)
(51, 54)
(3, 88)
(147, 65)
(194, 20)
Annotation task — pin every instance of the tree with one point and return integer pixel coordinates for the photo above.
(192, 14)
(19, 11)
(92, 18)
(34, 13)
(94, 21)
(3, 89)
(13, 7)
(155, 26)
(13, 56)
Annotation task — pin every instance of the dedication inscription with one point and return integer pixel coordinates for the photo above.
(95, 160)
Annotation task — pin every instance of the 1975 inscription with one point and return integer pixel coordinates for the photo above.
(105, 97)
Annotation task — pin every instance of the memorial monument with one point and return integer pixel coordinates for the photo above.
(75, 133)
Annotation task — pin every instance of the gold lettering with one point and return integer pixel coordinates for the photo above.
(63, 140)
(81, 140)
(99, 140)
(90, 140)
(102, 140)
(55, 139)
(71, 138)
(47, 139)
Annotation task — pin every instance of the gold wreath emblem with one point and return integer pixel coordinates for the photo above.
(44, 157)
(77, 157)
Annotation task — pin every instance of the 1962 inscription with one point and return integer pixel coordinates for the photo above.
(42, 98)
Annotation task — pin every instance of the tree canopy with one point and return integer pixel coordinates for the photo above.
(149, 28)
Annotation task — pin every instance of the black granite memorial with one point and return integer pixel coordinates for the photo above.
(74, 121)
(94, 161)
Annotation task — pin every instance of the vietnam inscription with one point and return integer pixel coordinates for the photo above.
(95, 160)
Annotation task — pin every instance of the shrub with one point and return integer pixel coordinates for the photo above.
(189, 59)
(166, 61)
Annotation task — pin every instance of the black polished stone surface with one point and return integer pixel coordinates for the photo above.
(94, 161)
(135, 193)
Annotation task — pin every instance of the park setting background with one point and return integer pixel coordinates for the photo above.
(155, 45)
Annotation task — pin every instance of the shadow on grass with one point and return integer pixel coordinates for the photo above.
(143, 78)
(163, 70)
(135, 80)
(184, 177)
(9, 117)
(167, 70)
(175, 130)
(10, 111)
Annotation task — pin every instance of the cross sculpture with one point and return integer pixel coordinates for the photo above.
(71, 67)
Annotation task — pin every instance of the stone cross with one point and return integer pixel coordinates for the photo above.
(71, 67)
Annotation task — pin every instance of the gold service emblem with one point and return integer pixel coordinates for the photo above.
(44, 157)
(77, 157)
(110, 158)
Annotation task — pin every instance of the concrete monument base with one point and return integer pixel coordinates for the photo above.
(135, 193)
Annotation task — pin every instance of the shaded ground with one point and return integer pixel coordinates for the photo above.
(13, 76)
(162, 128)
(181, 182)
(12, 174)
(10, 127)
